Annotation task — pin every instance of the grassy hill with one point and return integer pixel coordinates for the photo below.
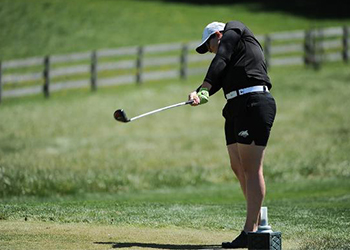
(41, 27)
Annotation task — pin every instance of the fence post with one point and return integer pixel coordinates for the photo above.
(184, 62)
(267, 49)
(310, 44)
(346, 44)
(46, 88)
(307, 47)
(93, 78)
(0, 81)
(139, 65)
(318, 48)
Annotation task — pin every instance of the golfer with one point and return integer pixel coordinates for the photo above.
(239, 69)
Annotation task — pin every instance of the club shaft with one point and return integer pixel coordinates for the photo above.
(161, 109)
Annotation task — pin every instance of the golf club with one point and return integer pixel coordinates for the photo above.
(120, 115)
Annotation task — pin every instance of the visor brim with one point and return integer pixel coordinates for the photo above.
(202, 49)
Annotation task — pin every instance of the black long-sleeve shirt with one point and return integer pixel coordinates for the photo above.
(239, 61)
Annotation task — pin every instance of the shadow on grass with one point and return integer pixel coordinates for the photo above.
(335, 9)
(157, 246)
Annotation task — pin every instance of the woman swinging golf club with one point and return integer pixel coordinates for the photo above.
(239, 69)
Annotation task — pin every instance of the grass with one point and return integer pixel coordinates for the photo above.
(82, 236)
(45, 27)
(71, 144)
(165, 218)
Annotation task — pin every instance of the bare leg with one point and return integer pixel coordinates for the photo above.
(252, 157)
(247, 164)
(237, 166)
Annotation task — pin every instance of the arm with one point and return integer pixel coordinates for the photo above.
(226, 49)
(227, 46)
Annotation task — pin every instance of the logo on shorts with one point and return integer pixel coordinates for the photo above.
(244, 133)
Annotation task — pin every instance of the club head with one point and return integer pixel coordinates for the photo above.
(120, 116)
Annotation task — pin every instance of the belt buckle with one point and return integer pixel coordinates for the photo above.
(232, 95)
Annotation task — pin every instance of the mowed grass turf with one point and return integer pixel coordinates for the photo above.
(83, 236)
(168, 218)
(178, 218)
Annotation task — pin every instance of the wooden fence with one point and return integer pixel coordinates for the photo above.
(156, 62)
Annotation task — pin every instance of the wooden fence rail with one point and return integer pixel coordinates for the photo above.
(138, 64)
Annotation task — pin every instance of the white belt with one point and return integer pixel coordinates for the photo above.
(244, 91)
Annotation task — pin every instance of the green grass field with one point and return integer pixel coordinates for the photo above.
(70, 143)
(71, 177)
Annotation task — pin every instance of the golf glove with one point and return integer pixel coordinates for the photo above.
(203, 95)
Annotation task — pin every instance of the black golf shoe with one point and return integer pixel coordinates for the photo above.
(240, 242)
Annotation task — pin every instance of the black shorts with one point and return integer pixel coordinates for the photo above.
(249, 118)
